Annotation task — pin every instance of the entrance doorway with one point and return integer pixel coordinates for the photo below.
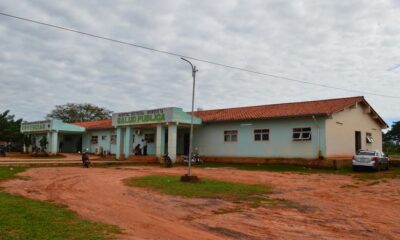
(358, 140)
(186, 144)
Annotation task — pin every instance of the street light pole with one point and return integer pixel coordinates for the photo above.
(194, 70)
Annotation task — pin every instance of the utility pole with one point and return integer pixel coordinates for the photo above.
(194, 70)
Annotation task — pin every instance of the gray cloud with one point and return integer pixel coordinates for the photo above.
(347, 44)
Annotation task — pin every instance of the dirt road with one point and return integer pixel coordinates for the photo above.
(322, 206)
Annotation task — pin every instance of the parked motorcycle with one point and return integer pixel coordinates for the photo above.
(85, 160)
(2, 151)
(167, 161)
(195, 158)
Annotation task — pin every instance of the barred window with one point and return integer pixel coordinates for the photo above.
(230, 136)
(94, 140)
(301, 134)
(149, 137)
(261, 135)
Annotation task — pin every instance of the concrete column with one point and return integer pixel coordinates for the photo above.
(128, 142)
(54, 142)
(172, 139)
(160, 141)
(120, 142)
(24, 146)
(48, 136)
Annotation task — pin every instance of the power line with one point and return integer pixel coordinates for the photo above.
(194, 58)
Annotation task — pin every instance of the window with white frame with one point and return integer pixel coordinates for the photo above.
(301, 134)
(230, 136)
(261, 135)
(369, 139)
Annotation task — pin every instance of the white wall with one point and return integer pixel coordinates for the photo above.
(341, 127)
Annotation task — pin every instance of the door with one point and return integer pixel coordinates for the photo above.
(186, 143)
(358, 140)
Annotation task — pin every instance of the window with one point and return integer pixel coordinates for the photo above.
(366, 153)
(301, 134)
(149, 137)
(261, 135)
(230, 136)
(113, 139)
(94, 140)
(103, 138)
(369, 138)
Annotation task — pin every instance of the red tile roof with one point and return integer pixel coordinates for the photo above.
(320, 107)
(282, 110)
(97, 124)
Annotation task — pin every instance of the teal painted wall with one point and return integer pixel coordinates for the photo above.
(137, 139)
(59, 125)
(209, 139)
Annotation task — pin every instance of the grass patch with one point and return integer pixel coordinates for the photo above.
(394, 172)
(10, 172)
(22, 218)
(275, 168)
(206, 188)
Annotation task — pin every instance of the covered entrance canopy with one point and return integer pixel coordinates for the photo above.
(51, 129)
(162, 120)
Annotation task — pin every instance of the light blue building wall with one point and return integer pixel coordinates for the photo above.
(103, 141)
(139, 134)
(209, 139)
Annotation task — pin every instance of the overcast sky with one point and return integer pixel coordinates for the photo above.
(348, 44)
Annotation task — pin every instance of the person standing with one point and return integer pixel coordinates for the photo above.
(144, 147)
(137, 150)
(60, 147)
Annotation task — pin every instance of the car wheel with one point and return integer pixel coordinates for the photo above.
(355, 168)
(377, 167)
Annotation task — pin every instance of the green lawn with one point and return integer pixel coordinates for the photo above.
(394, 172)
(22, 218)
(10, 172)
(275, 168)
(206, 188)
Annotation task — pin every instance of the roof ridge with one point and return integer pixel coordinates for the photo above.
(276, 104)
(98, 120)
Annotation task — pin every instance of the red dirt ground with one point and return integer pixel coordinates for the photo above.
(322, 206)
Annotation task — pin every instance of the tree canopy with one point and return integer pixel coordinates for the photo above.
(79, 112)
(393, 133)
(10, 128)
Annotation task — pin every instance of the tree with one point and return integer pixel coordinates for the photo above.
(10, 128)
(394, 132)
(79, 112)
(43, 143)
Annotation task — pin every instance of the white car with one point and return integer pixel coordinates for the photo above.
(371, 159)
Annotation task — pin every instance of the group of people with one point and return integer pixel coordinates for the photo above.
(141, 150)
